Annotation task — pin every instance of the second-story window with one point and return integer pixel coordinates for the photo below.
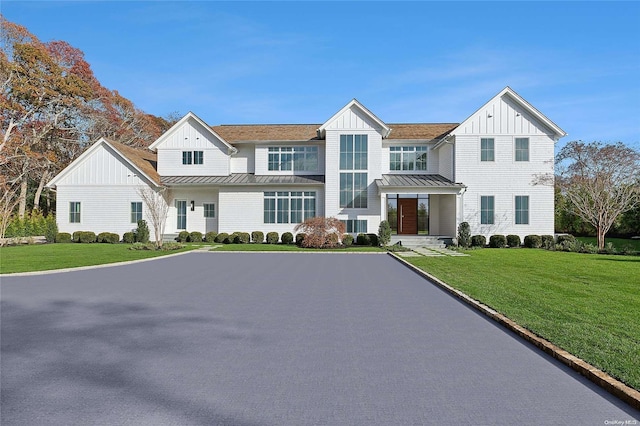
(408, 158)
(192, 157)
(296, 158)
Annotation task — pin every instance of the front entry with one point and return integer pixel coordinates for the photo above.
(407, 216)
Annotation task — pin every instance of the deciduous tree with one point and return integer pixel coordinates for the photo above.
(156, 203)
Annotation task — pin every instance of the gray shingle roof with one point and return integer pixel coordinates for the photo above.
(431, 181)
(244, 179)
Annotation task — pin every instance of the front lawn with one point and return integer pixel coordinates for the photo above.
(586, 304)
(58, 256)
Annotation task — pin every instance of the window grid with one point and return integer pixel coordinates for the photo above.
(209, 210)
(408, 158)
(289, 207)
(355, 226)
(192, 157)
(522, 209)
(487, 204)
(136, 211)
(522, 149)
(487, 149)
(198, 157)
(187, 157)
(74, 212)
(297, 158)
(353, 185)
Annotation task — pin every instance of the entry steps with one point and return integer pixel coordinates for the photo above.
(415, 241)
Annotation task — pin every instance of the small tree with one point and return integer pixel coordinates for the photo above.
(157, 208)
(384, 233)
(464, 235)
(321, 232)
(8, 202)
(600, 182)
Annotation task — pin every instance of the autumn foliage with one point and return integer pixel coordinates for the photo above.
(321, 232)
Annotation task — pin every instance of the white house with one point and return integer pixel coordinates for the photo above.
(423, 178)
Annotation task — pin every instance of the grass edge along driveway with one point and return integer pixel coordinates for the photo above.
(585, 304)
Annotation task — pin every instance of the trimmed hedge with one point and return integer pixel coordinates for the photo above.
(533, 241)
(221, 237)
(347, 240)
(300, 238)
(513, 240)
(232, 239)
(287, 238)
(195, 237)
(108, 237)
(548, 242)
(272, 238)
(497, 241)
(210, 237)
(128, 238)
(363, 240)
(84, 237)
(478, 241)
(257, 237)
(183, 236)
(63, 237)
(242, 238)
(568, 238)
(373, 239)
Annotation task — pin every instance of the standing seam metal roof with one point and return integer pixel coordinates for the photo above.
(244, 179)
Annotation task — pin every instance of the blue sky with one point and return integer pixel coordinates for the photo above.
(300, 62)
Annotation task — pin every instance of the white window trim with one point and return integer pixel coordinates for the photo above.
(410, 172)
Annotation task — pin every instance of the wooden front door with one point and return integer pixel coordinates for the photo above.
(407, 215)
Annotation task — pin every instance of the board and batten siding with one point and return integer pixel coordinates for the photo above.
(191, 136)
(262, 159)
(241, 209)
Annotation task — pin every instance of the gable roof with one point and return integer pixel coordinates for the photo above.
(143, 161)
(355, 103)
(508, 91)
(187, 117)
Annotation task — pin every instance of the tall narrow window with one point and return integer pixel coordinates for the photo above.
(198, 157)
(136, 211)
(187, 157)
(181, 207)
(487, 211)
(269, 207)
(522, 149)
(209, 210)
(353, 185)
(522, 209)
(74, 212)
(487, 152)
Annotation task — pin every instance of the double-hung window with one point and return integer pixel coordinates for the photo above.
(522, 149)
(353, 184)
(209, 210)
(487, 210)
(296, 158)
(355, 226)
(522, 209)
(487, 149)
(408, 158)
(74, 212)
(136, 211)
(289, 207)
(192, 157)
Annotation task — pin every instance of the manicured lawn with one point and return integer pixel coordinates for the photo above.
(57, 256)
(618, 243)
(290, 247)
(587, 304)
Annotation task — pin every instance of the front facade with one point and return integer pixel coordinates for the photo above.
(422, 178)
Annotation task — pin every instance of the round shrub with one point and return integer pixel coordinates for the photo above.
(478, 241)
(566, 238)
(272, 238)
(210, 237)
(195, 237)
(128, 238)
(384, 233)
(63, 237)
(233, 238)
(300, 238)
(513, 240)
(347, 240)
(287, 238)
(257, 237)
(183, 236)
(363, 240)
(242, 238)
(108, 237)
(533, 241)
(84, 237)
(497, 241)
(548, 242)
(373, 239)
(222, 237)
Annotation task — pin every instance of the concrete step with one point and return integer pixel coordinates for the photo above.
(413, 241)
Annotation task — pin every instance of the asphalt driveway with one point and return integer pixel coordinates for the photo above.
(271, 339)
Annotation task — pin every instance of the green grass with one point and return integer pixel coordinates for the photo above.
(585, 304)
(58, 256)
(618, 243)
(291, 247)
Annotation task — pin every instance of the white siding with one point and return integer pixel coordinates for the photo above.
(191, 136)
(262, 159)
(445, 163)
(195, 219)
(102, 167)
(243, 160)
(354, 119)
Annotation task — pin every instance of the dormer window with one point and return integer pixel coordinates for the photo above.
(192, 157)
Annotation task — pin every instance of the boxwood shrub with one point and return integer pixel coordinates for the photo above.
(242, 238)
(195, 237)
(548, 242)
(566, 237)
(222, 237)
(108, 237)
(363, 240)
(272, 238)
(497, 241)
(182, 237)
(533, 241)
(373, 240)
(257, 237)
(128, 238)
(63, 237)
(287, 238)
(347, 240)
(232, 239)
(210, 237)
(513, 240)
(300, 238)
(478, 241)
(84, 237)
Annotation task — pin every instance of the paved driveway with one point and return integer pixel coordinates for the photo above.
(271, 339)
